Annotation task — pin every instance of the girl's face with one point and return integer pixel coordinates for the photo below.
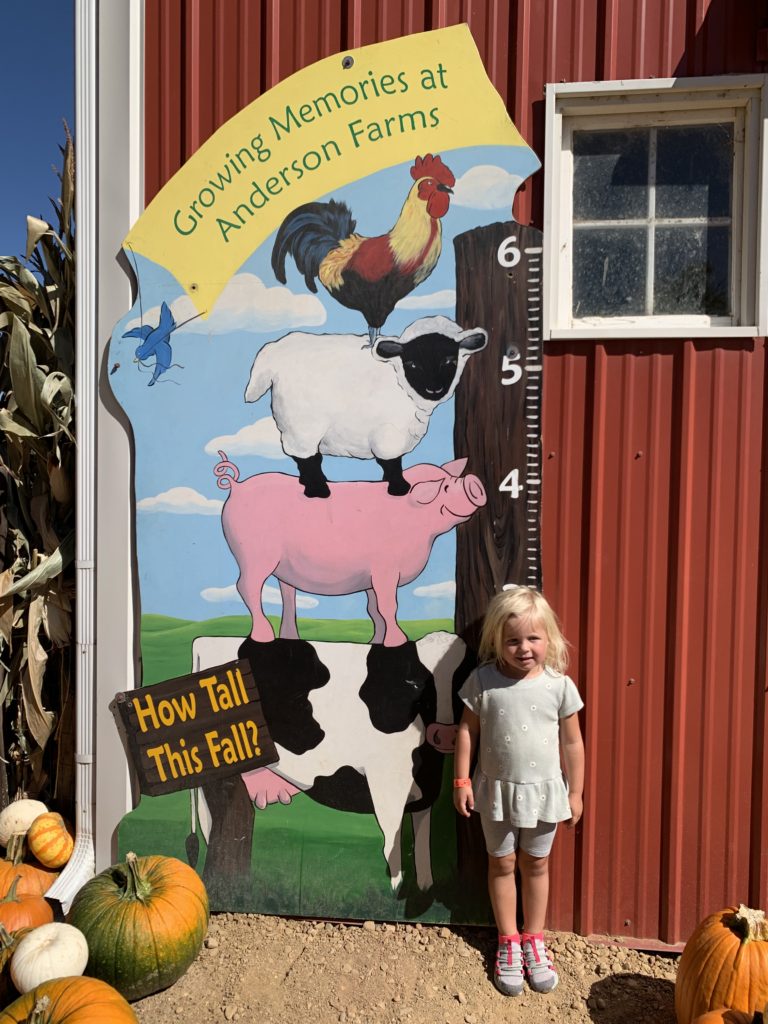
(524, 648)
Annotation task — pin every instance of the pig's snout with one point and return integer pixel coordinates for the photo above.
(442, 737)
(474, 490)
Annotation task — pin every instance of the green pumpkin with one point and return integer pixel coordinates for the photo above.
(145, 922)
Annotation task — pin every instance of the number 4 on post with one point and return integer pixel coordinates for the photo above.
(511, 484)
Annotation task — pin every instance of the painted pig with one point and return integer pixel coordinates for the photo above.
(361, 538)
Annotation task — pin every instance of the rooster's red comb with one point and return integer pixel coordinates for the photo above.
(432, 167)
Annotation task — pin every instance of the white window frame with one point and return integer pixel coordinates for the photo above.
(592, 106)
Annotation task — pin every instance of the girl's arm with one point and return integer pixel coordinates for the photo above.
(572, 747)
(466, 741)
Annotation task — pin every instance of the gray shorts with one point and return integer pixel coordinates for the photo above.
(501, 838)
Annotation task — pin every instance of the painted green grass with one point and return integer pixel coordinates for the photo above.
(307, 860)
(166, 643)
(311, 861)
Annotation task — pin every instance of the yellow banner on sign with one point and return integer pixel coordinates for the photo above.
(337, 121)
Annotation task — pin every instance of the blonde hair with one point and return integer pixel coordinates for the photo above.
(522, 603)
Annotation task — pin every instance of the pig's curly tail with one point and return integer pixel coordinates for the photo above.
(226, 472)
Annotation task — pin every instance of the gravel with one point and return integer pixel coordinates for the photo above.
(282, 971)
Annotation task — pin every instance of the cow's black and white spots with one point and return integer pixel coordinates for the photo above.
(288, 672)
(381, 730)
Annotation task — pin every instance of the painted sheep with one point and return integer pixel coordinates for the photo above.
(330, 397)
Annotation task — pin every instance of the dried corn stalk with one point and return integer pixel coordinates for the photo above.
(37, 516)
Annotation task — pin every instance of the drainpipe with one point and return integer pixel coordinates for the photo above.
(81, 865)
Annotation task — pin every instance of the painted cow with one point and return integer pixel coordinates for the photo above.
(358, 727)
(361, 538)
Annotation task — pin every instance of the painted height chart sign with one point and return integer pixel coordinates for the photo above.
(324, 372)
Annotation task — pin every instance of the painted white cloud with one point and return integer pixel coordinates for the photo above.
(269, 595)
(181, 501)
(246, 304)
(259, 438)
(445, 589)
(445, 299)
(486, 187)
(219, 595)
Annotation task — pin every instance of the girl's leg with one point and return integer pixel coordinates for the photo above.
(534, 874)
(508, 969)
(534, 878)
(503, 892)
(500, 841)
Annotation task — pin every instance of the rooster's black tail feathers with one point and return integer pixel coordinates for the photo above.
(308, 234)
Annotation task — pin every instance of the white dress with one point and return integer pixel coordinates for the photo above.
(518, 777)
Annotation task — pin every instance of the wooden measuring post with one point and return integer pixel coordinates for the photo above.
(498, 414)
(497, 426)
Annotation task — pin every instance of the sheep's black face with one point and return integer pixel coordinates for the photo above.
(429, 364)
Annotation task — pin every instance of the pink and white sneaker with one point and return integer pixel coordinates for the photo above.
(537, 965)
(508, 972)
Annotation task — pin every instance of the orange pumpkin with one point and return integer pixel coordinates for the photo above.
(70, 1001)
(724, 964)
(50, 840)
(34, 879)
(19, 910)
(144, 922)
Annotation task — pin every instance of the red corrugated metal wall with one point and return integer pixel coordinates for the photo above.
(654, 548)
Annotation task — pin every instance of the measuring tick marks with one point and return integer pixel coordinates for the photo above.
(516, 369)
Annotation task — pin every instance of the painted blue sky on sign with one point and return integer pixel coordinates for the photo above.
(197, 407)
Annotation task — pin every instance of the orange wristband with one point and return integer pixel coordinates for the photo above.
(458, 783)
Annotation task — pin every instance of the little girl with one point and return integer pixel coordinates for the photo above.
(521, 710)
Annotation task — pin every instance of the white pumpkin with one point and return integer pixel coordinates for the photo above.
(17, 817)
(49, 951)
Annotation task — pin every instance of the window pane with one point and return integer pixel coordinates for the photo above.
(610, 175)
(693, 171)
(691, 271)
(609, 267)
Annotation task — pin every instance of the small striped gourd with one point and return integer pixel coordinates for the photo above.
(50, 840)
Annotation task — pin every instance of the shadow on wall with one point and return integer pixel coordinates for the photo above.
(727, 41)
(730, 39)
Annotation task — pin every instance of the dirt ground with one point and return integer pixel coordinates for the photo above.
(279, 971)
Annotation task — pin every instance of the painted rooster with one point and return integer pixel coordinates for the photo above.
(369, 274)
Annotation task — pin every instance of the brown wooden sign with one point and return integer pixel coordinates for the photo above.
(181, 733)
